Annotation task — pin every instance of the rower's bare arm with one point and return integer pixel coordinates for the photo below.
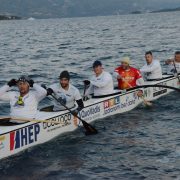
(4, 94)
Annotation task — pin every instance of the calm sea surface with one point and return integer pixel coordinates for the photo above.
(141, 144)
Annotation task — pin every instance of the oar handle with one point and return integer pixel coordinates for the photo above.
(85, 87)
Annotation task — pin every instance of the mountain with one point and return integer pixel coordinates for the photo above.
(75, 8)
(167, 10)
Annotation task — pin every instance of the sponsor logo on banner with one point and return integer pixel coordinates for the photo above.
(111, 102)
(24, 136)
(63, 120)
(90, 112)
(115, 104)
(112, 105)
(2, 139)
(159, 90)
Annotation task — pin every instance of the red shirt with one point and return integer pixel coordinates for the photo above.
(129, 77)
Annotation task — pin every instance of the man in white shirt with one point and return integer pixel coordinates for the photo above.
(23, 103)
(101, 83)
(66, 93)
(152, 69)
(174, 64)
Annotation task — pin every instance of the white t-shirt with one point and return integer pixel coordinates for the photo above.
(101, 85)
(31, 100)
(152, 71)
(171, 68)
(71, 95)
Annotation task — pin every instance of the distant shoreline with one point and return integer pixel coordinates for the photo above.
(166, 10)
(13, 17)
(158, 11)
(9, 17)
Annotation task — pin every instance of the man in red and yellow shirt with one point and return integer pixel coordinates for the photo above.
(127, 76)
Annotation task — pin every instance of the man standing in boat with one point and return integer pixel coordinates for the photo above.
(152, 69)
(101, 83)
(127, 76)
(174, 64)
(66, 93)
(25, 102)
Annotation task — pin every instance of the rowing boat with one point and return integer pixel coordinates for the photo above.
(17, 138)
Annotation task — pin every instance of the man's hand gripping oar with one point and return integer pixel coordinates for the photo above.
(90, 130)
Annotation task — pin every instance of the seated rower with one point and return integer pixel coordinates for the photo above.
(152, 69)
(24, 102)
(174, 64)
(127, 76)
(66, 93)
(101, 83)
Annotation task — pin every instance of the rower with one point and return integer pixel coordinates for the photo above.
(65, 92)
(127, 76)
(152, 69)
(101, 83)
(24, 102)
(174, 64)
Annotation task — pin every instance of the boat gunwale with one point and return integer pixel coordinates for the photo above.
(134, 88)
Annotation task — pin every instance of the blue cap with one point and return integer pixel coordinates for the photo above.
(97, 63)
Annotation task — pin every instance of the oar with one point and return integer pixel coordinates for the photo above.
(84, 92)
(90, 130)
(29, 120)
(159, 85)
(176, 71)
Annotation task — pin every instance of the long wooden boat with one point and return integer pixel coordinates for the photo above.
(16, 138)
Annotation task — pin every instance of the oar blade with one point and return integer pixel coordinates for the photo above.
(90, 130)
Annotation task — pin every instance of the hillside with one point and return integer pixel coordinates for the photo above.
(78, 8)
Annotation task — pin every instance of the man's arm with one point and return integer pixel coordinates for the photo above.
(101, 83)
(39, 92)
(116, 75)
(80, 104)
(89, 90)
(4, 95)
(140, 81)
(148, 69)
